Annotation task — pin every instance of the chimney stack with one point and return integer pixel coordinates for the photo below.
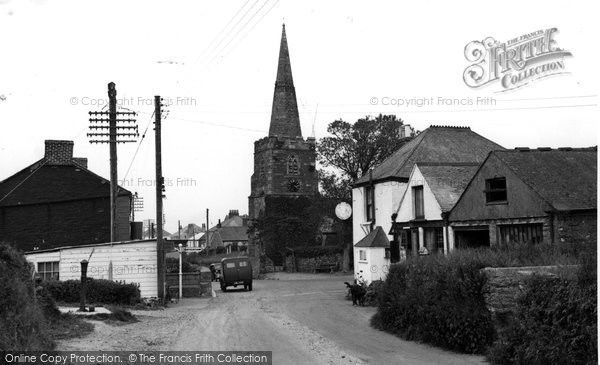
(59, 152)
(81, 161)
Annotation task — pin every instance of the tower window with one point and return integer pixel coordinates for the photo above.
(293, 167)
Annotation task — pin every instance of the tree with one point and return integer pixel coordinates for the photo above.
(351, 150)
(354, 149)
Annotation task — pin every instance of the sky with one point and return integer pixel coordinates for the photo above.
(216, 62)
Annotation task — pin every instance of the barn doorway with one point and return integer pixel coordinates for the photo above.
(472, 237)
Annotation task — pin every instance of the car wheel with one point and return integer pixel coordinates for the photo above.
(223, 288)
(250, 287)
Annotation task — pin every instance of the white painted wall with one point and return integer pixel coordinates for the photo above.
(387, 198)
(375, 267)
(432, 207)
(132, 262)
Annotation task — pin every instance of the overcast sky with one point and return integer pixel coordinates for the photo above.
(220, 58)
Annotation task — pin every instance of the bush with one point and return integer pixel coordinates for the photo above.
(555, 322)
(98, 291)
(438, 300)
(22, 323)
(372, 295)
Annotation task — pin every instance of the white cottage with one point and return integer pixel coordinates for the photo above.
(129, 261)
(421, 219)
(376, 196)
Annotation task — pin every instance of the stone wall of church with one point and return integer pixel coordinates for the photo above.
(284, 167)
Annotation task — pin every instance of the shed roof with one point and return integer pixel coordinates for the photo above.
(376, 238)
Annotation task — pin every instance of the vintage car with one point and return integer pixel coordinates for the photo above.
(236, 271)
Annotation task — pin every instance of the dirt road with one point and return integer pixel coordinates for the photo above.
(303, 319)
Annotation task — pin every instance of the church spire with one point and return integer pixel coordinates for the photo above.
(284, 115)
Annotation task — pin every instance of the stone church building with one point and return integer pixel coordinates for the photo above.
(284, 162)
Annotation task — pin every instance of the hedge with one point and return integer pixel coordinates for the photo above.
(99, 291)
(22, 323)
(555, 323)
(439, 301)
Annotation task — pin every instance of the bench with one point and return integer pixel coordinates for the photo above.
(326, 268)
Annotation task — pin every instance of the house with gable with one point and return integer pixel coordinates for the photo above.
(421, 221)
(529, 196)
(230, 235)
(377, 195)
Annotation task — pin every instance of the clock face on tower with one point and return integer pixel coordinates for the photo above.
(293, 185)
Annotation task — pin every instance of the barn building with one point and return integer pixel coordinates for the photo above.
(529, 196)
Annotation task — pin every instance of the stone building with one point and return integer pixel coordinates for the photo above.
(284, 162)
(529, 196)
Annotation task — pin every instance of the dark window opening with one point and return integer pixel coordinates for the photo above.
(419, 206)
(495, 190)
(439, 239)
(472, 238)
(293, 166)
(370, 203)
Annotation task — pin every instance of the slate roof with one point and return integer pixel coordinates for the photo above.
(567, 179)
(447, 182)
(376, 238)
(440, 144)
(285, 120)
(233, 233)
(42, 182)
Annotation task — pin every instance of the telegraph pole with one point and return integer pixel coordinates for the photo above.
(112, 116)
(207, 232)
(159, 199)
(114, 136)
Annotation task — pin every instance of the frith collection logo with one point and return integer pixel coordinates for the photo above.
(514, 63)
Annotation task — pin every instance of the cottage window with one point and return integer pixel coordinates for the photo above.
(362, 255)
(495, 190)
(293, 168)
(48, 270)
(419, 206)
(370, 203)
(387, 253)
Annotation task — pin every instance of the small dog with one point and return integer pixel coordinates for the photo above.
(357, 292)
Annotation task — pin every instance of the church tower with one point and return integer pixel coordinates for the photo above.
(284, 162)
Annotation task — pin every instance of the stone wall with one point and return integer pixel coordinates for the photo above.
(310, 264)
(576, 227)
(505, 284)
